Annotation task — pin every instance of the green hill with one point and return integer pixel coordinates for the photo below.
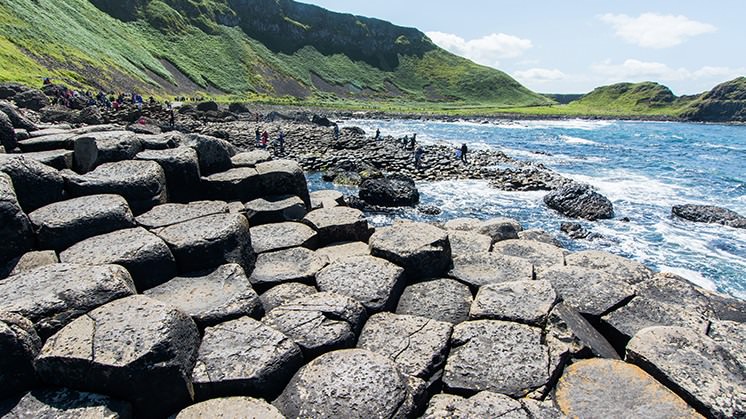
(646, 98)
(253, 49)
(725, 102)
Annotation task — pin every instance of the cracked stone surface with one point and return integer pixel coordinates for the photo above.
(338, 224)
(231, 407)
(169, 214)
(421, 249)
(342, 250)
(19, 345)
(590, 291)
(478, 269)
(68, 404)
(281, 236)
(620, 268)
(541, 255)
(181, 168)
(376, 283)
(484, 404)
(297, 264)
(465, 243)
(440, 299)
(284, 293)
(34, 259)
(526, 302)
(731, 336)
(499, 229)
(327, 198)
(275, 209)
(15, 227)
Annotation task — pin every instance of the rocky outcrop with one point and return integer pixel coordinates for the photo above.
(15, 227)
(391, 191)
(580, 201)
(444, 300)
(421, 249)
(231, 407)
(69, 404)
(376, 283)
(709, 214)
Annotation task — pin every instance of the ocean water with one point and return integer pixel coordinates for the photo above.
(642, 167)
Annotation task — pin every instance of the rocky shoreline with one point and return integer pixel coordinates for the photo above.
(184, 273)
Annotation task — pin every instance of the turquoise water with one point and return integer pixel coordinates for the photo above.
(642, 167)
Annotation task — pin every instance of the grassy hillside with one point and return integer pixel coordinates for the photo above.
(166, 47)
(725, 102)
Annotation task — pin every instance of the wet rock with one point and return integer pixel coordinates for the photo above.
(96, 148)
(579, 201)
(231, 407)
(541, 255)
(35, 184)
(211, 297)
(320, 322)
(181, 168)
(135, 348)
(240, 184)
(169, 214)
(284, 293)
(607, 388)
(214, 154)
(421, 249)
(51, 296)
(465, 243)
(326, 199)
(250, 158)
(503, 357)
(297, 264)
(392, 191)
(60, 141)
(499, 229)
(478, 269)
(33, 260)
(576, 231)
(439, 299)
(336, 251)
(62, 224)
(526, 302)
(275, 209)
(141, 183)
(709, 214)
(351, 383)
(284, 177)
(69, 404)
(7, 135)
(589, 291)
(338, 224)
(539, 236)
(484, 404)
(210, 241)
(56, 159)
(243, 356)
(19, 345)
(15, 227)
(280, 236)
(376, 283)
(620, 268)
(418, 345)
(696, 367)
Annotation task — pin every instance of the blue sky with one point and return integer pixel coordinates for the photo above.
(573, 46)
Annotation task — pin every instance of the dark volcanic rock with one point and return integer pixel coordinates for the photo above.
(296, 264)
(541, 255)
(59, 141)
(69, 404)
(7, 134)
(36, 184)
(392, 191)
(629, 271)
(240, 184)
(284, 293)
(568, 333)
(439, 299)
(466, 243)
(31, 99)
(56, 159)
(580, 201)
(284, 177)
(169, 214)
(376, 283)
(499, 229)
(526, 302)
(17, 119)
(231, 407)
(274, 209)
(589, 291)
(250, 158)
(336, 251)
(421, 249)
(280, 236)
(19, 345)
(15, 227)
(709, 214)
(135, 348)
(214, 154)
(478, 269)
(95, 148)
(33, 260)
(181, 167)
(484, 404)
(338, 224)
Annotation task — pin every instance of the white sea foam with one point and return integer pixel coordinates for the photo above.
(576, 140)
(581, 124)
(623, 185)
(691, 276)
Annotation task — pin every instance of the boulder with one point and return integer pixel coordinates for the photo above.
(90, 115)
(207, 106)
(244, 357)
(284, 293)
(590, 291)
(275, 209)
(280, 236)
(214, 154)
(499, 229)
(17, 119)
(352, 383)
(33, 260)
(95, 148)
(620, 268)
(141, 183)
(164, 141)
(7, 134)
(69, 404)
(418, 345)
(15, 227)
(58, 114)
(135, 348)
(392, 191)
(541, 255)
(211, 297)
(36, 184)
(231, 407)
(479, 269)
(296, 264)
(605, 388)
(421, 249)
(250, 158)
(21, 134)
(503, 357)
(526, 302)
(284, 177)
(8, 90)
(327, 198)
(376, 283)
(338, 224)
(53, 295)
(321, 120)
(709, 214)
(58, 141)
(56, 159)
(142, 253)
(19, 345)
(31, 99)
(439, 299)
(465, 243)
(319, 322)
(240, 184)
(62, 224)
(579, 201)
(484, 404)
(169, 214)
(181, 167)
(209, 242)
(697, 368)
(538, 235)
(336, 251)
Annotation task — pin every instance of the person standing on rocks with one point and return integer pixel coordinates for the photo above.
(378, 134)
(336, 132)
(418, 157)
(265, 138)
(412, 141)
(464, 149)
(258, 136)
(281, 141)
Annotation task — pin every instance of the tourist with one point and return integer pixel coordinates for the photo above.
(47, 81)
(378, 134)
(412, 141)
(281, 141)
(457, 153)
(404, 141)
(336, 132)
(171, 117)
(258, 136)
(265, 139)
(464, 149)
(418, 157)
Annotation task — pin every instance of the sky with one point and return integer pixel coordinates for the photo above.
(573, 46)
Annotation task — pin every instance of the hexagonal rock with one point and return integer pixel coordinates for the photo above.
(319, 322)
(620, 268)
(421, 249)
(541, 410)
(484, 404)
(181, 167)
(7, 133)
(696, 367)
(275, 209)
(169, 214)
(445, 300)
(163, 141)
(605, 388)
(210, 241)
(211, 297)
(731, 336)
(465, 243)
(15, 227)
(376, 283)
(503, 357)
(479, 269)
(19, 345)
(250, 158)
(352, 383)
(240, 184)
(143, 254)
(35, 184)
(53, 295)
(336, 251)
(244, 357)
(297, 264)
(463, 224)
(33, 260)
(231, 407)
(327, 198)
(95, 148)
(284, 177)
(538, 235)
(284, 293)
(134, 348)
(542, 255)
(568, 333)
(518, 301)
(590, 291)
(214, 154)
(280, 236)
(69, 404)
(58, 141)
(56, 159)
(141, 183)
(338, 224)
(418, 345)
(499, 229)
(62, 224)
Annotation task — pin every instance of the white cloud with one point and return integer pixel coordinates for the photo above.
(650, 30)
(488, 50)
(636, 70)
(538, 75)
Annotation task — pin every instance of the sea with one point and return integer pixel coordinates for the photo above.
(644, 168)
